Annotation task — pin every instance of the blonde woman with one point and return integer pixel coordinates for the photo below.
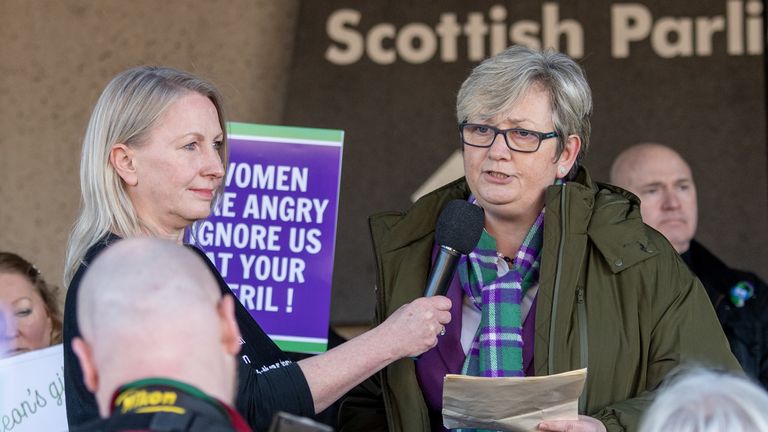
(152, 164)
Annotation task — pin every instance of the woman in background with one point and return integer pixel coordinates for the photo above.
(31, 308)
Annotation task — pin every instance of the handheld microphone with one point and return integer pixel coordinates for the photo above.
(458, 230)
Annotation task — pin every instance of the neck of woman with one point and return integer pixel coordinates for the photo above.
(172, 233)
(509, 233)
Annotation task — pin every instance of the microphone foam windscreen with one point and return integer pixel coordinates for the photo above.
(459, 226)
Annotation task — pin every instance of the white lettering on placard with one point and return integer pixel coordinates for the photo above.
(485, 34)
(268, 177)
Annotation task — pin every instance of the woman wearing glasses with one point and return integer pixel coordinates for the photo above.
(565, 275)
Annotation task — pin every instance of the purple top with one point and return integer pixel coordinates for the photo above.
(448, 356)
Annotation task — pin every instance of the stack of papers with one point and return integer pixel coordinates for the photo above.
(510, 404)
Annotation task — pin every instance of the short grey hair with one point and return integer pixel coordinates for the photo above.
(701, 400)
(497, 83)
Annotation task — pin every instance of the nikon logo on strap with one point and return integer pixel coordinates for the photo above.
(143, 401)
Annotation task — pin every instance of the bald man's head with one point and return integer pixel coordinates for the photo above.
(151, 308)
(662, 180)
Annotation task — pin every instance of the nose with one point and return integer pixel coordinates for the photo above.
(671, 200)
(8, 326)
(213, 165)
(499, 149)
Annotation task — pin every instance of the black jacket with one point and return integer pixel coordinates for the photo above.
(157, 404)
(745, 326)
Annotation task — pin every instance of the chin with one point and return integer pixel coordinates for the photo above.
(198, 213)
(16, 351)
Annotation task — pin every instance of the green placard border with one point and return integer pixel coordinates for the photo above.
(287, 132)
(303, 347)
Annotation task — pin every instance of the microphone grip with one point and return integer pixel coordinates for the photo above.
(442, 272)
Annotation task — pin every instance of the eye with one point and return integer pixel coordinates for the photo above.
(523, 133)
(217, 145)
(190, 146)
(650, 191)
(479, 129)
(23, 313)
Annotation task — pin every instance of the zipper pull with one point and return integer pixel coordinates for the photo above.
(579, 295)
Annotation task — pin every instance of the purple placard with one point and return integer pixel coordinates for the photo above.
(273, 235)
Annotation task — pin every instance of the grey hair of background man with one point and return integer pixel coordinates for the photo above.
(701, 400)
(497, 83)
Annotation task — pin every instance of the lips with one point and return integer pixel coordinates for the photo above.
(204, 193)
(673, 221)
(496, 176)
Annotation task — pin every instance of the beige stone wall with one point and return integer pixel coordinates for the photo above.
(57, 55)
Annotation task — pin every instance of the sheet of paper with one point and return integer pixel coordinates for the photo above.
(511, 404)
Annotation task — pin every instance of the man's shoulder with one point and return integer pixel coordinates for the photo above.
(717, 275)
(155, 422)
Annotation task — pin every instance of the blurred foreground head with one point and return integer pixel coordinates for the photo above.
(151, 308)
(706, 401)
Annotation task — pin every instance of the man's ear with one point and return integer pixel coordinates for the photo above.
(121, 157)
(85, 356)
(230, 332)
(568, 156)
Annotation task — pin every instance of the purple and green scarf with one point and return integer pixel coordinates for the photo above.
(497, 350)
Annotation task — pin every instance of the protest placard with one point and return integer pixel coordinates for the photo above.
(273, 235)
(32, 392)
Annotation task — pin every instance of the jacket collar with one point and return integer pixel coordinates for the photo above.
(609, 215)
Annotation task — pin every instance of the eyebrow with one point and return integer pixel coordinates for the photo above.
(199, 135)
(647, 185)
(20, 299)
(658, 183)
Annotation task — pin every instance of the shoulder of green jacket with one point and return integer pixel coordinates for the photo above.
(614, 223)
(403, 228)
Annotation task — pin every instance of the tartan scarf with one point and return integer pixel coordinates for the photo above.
(497, 350)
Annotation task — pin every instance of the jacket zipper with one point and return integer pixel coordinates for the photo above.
(556, 290)
(581, 308)
(581, 313)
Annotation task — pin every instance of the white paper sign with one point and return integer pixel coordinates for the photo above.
(32, 392)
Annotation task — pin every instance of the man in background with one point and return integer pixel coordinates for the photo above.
(158, 341)
(662, 180)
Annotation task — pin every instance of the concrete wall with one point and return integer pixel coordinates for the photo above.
(56, 57)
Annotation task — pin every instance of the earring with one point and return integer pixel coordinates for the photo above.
(561, 170)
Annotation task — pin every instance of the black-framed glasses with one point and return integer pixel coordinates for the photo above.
(517, 139)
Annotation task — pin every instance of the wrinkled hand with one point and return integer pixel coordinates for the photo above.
(583, 424)
(414, 327)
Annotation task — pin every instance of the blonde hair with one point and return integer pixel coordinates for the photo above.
(126, 112)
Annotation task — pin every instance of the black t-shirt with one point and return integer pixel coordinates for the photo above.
(268, 381)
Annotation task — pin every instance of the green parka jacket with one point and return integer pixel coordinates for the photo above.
(613, 296)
